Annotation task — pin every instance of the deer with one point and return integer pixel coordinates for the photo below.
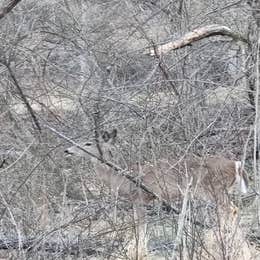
(210, 177)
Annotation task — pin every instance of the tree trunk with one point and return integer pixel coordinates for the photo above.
(253, 84)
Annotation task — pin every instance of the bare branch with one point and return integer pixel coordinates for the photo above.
(196, 35)
(5, 10)
(23, 97)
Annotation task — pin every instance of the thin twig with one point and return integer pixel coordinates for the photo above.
(22, 184)
(256, 129)
(18, 159)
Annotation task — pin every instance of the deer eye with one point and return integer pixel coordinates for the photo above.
(88, 144)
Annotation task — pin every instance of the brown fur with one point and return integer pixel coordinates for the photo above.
(211, 177)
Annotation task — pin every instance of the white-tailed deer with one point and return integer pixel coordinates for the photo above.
(210, 178)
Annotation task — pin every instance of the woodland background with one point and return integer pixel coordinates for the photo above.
(76, 65)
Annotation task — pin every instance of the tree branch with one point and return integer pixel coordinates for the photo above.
(23, 97)
(196, 35)
(5, 10)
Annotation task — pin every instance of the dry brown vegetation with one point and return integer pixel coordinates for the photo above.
(82, 67)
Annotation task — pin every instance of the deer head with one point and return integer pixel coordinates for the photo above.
(98, 148)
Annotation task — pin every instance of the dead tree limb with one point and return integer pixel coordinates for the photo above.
(196, 35)
(5, 10)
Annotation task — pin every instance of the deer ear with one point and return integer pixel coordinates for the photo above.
(113, 134)
(105, 136)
